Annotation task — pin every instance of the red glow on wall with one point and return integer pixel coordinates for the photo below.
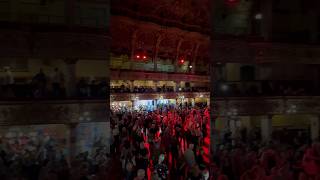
(181, 61)
(231, 2)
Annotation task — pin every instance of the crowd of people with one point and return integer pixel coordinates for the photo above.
(145, 89)
(164, 144)
(247, 157)
(38, 156)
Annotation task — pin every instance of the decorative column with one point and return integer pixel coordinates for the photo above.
(70, 77)
(315, 78)
(314, 127)
(313, 24)
(177, 86)
(266, 128)
(214, 136)
(156, 50)
(155, 104)
(133, 45)
(177, 55)
(194, 58)
(70, 11)
(156, 83)
(14, 6)
(71, 142)
(233, 128)
(266, 28)
(131, 85)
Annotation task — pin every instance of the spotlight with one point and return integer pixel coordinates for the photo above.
(181, 60)
(190, 67)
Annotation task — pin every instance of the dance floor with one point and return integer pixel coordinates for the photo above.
(115, 171)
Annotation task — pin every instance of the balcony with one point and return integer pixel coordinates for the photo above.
(248, 106)
(243, 51)
(159, 76)
(265, 88)
(160, 95)
(17, 112)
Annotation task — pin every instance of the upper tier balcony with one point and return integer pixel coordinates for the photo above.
(59, 12)
(122, 74)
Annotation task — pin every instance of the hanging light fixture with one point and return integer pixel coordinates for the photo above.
(141, 54)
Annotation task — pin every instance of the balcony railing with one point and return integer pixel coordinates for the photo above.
(160, 76)
(150, 96)
(265, 88)
(276, 105)
(52, 112)
(169, 89)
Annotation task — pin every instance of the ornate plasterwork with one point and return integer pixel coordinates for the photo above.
(129, 34)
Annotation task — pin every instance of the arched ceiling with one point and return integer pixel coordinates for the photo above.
(194, 14)
(179, 26)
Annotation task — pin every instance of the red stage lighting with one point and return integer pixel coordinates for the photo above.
(181, 61)
(138, 56)
(144, 57)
